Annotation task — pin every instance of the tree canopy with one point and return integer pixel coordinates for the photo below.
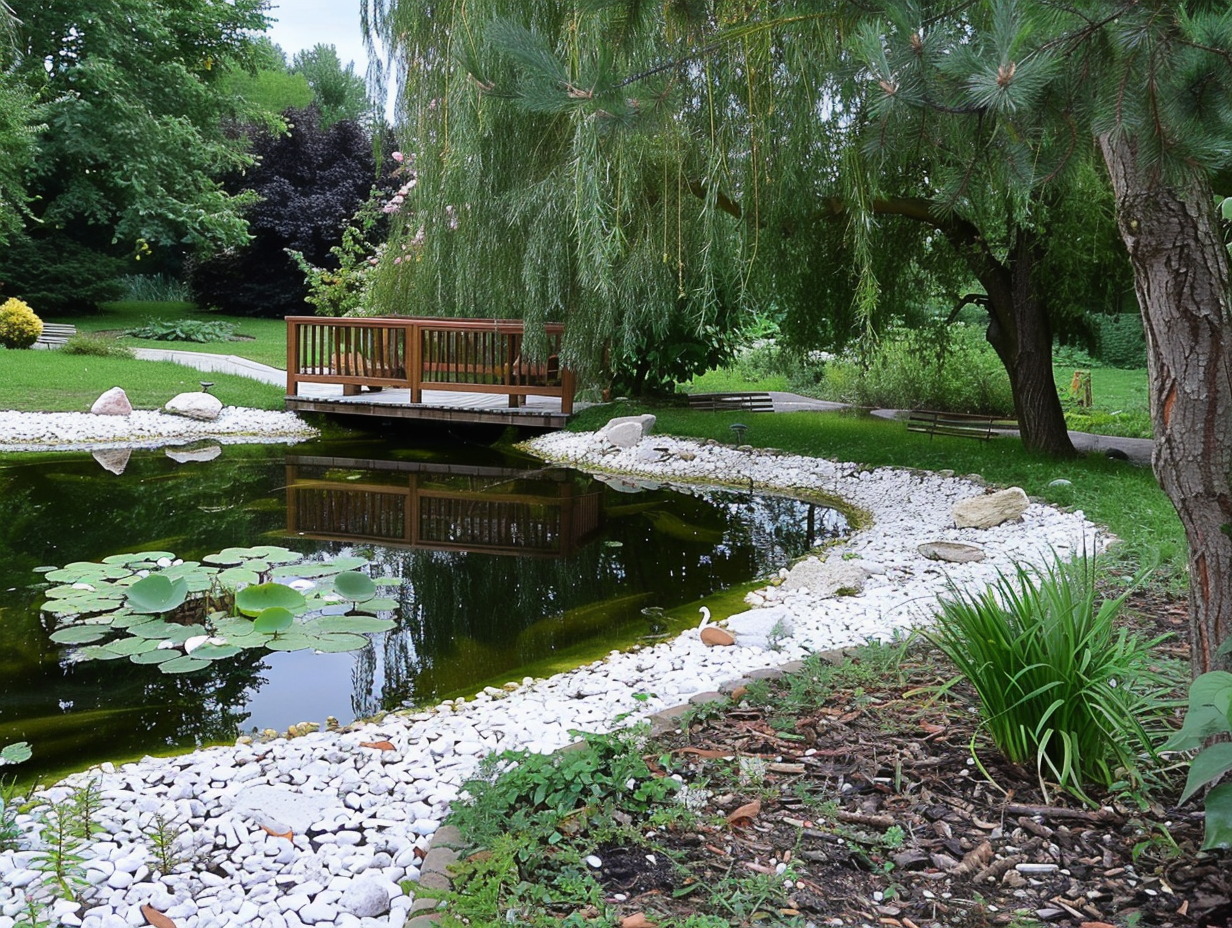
(338, 92)
(134, 127)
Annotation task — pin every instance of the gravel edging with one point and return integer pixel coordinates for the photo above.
(82, 431)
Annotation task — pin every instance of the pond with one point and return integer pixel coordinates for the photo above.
(499, 566)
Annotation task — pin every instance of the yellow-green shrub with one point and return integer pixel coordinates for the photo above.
(19, 327)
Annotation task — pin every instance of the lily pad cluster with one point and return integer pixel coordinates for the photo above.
(153, 608)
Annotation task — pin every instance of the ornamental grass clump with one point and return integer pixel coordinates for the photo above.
(19, 326)
(1061, 689)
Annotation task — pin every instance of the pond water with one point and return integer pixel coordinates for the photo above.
(503, 566)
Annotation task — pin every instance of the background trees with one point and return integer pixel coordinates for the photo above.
(1151, 84)
(16, 134)
(133, 140)
(305, 186)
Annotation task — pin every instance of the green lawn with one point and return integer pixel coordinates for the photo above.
(1122, 496)
(52, 381)
(263, 340)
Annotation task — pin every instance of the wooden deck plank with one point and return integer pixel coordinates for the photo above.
(435, 405)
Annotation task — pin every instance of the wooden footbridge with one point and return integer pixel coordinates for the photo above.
(451, 370)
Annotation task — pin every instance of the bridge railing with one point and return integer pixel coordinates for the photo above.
(464, 355)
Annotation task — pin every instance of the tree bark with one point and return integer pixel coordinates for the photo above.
(1181, 277)
(1020, 333)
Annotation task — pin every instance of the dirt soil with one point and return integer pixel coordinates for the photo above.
(876, 805)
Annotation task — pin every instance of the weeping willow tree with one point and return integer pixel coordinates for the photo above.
(636, 169)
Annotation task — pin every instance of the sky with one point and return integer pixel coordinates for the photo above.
(297, 25)
(301, 24)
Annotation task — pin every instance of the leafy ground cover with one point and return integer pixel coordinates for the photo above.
(845, 794)
(52, 381)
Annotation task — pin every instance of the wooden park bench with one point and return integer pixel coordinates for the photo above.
(961, 425)
(732, 402)
(55, 335)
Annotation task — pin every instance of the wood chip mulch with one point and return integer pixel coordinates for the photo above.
(874, 803)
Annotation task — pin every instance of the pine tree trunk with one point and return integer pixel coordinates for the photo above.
(1181, 276)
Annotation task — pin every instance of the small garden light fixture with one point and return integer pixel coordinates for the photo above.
(739, 428)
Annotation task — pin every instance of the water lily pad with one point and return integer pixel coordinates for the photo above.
(157, 593)
(254, 599)
(125, 618)
(96, 652)
(227, 558)
(157, 656)
(233, 577)
(292, 642)
(214, 652)
(377, 605)
(277, 555)
(355, 586)
(273, 620)
(156, 629)
(388, 581)
(233, 626)
(126, 647)
(86, 571)
(183, 665)
(340, 642)
(78, 634)
(356, 624)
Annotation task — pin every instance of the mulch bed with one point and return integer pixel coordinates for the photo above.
(875, 803)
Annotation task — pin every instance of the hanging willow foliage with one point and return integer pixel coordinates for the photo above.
(610, 165)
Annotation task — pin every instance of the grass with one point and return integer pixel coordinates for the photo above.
(1122, 496)
(51, 381)
(1120, 397)
(729, 381)
(262, 340)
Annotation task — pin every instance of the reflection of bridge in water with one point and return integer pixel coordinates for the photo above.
(442, 507)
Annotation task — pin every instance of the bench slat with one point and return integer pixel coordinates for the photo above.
(732, 402)
(959, 425)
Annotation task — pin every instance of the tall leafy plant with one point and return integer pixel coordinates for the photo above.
(1061, 688)
(1209, 716)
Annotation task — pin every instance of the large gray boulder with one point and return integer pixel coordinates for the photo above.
(828, 578)
(112, 403)
(627, 431)
(282, 808)
(991, 509)
(954, 552)
(203, 406)
(761, 628)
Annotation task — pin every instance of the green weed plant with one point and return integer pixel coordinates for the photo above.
(1061, 688)
(1207, 726)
